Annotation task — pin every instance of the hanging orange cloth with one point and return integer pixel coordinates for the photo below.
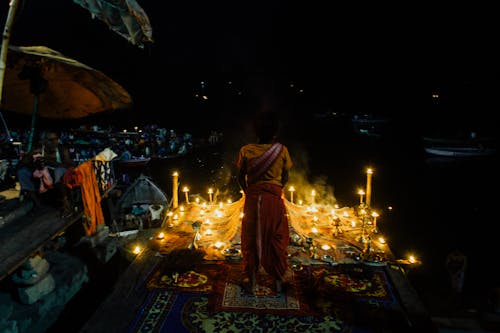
(91, 198)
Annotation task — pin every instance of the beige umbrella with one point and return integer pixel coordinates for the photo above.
(44, 83)
(66, 88)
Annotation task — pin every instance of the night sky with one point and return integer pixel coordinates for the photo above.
(353, 56)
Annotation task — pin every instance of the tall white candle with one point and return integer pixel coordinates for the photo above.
(375, 215)
(361, 193)
(291, 189)
(369, 174)
(175, 189)
(210, 192)
(186, 193)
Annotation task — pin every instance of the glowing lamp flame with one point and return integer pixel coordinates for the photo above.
(137, 249)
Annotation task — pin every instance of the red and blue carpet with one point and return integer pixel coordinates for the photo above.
(211, 298)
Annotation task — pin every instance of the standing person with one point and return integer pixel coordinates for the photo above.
(262, 173)
(456, 264)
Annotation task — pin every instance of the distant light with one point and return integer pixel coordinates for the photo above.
(205, 97)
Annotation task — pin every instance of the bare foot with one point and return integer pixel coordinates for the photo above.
(249, 285)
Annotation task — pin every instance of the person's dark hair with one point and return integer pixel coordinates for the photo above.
(266, 126)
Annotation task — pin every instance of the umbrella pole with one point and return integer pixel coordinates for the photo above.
(3, 53)
(33, 119)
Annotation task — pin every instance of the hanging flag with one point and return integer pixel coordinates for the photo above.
(125, 17)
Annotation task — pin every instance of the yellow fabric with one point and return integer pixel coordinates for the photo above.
(250, 152)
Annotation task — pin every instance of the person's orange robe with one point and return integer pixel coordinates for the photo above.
(265, 234)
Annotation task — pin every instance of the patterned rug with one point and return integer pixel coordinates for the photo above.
(168, 311)
(352, 282)
(231, 295)
(343, 298)
(359, 295)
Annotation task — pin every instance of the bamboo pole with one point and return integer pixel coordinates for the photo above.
(3, 53)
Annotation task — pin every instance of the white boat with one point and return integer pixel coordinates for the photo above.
(136, 161)
(459, 141)
(452, 151)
